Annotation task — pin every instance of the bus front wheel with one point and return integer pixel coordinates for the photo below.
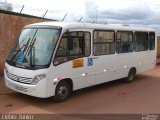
(131, 75)
(62, 91)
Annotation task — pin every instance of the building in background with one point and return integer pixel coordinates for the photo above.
(6, 6)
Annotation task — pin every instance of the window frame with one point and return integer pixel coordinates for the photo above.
(69, 56)
(90, 44)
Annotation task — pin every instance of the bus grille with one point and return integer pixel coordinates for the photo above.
(19, 78)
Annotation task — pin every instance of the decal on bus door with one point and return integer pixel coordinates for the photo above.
(20, 57)
(78, 63)
(90, 61)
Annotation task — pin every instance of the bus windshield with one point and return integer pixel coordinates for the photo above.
(34, 47)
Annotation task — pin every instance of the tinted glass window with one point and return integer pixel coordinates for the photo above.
(141, 41)
(104, 42)
(73, 45)
(124, 41)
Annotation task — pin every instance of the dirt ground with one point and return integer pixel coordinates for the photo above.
(139, 97)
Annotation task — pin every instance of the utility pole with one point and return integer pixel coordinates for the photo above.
(21, 9)
(80, 19)
(45, 13)
(105, 23)
(96, 14)
(64, 17)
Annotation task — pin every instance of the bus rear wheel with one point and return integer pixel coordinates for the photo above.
(62, 92)
(131, 75)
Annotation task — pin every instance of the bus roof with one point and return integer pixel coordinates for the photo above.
(70, 25)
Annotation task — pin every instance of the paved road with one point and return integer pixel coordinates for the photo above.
(141, 96)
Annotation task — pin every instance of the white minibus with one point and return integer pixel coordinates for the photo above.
(56, 58)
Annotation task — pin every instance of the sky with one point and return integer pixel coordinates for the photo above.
(136, 12)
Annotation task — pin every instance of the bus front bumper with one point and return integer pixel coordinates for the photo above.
(39, 90)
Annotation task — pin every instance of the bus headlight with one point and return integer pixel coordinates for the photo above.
(37, 78)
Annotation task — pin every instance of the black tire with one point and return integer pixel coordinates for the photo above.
(62, 92)
(131, 76)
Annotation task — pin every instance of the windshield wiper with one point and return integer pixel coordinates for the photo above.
(32, 56)
(26, 50)
(25, 45)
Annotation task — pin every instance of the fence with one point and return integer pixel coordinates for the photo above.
(10, 26)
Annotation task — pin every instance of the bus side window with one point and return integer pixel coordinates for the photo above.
(104, 43)
(141, 41)
(61, 55)
(77, 47)
(73, 45)
(124, 42)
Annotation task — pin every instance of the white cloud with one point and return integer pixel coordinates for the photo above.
(56, 8)
(111, 11)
